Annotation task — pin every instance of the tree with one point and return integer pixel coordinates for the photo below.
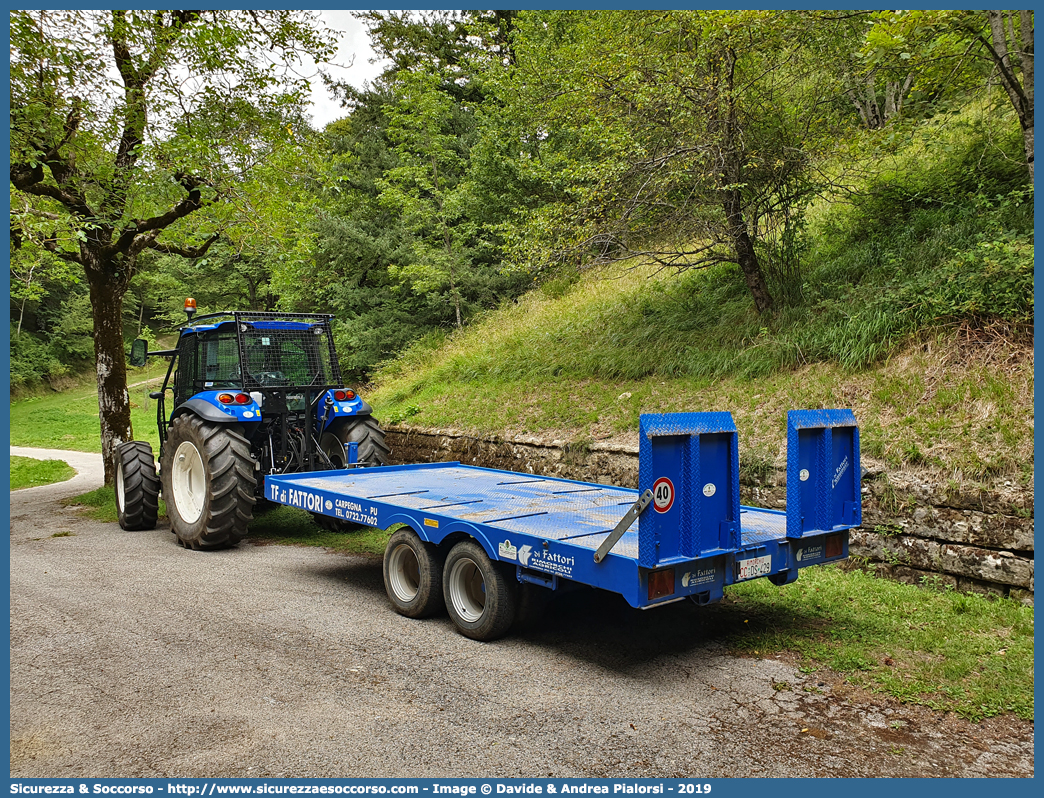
(1003, 40)
(425, 188)
(681, 137)
(125, 124)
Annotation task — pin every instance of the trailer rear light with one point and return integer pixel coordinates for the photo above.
(226, 398)
(242, 399)
(661, 583)
(833, 546)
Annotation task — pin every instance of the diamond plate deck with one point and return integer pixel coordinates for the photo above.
(578, 513)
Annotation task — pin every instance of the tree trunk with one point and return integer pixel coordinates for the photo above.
(111, 366)
(1020, 93)
(1027, 137)
(453, 280)
(745, 254)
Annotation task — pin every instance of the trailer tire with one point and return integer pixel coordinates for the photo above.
(479, 598)
(413, 575)
(208, 482)
(137, 486)
(373, 451)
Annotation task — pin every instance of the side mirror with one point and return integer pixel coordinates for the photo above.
(139, 352)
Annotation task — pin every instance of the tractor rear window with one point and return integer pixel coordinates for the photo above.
(269, 351)
(286, 357)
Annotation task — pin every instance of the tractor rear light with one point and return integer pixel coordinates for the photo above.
(349, 394)
(340, 396)
(833, 547)
(242, 399)
(661, 583)
(226, 398)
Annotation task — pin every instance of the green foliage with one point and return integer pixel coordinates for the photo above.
(403, 247)
(27, 472)
(680, 136)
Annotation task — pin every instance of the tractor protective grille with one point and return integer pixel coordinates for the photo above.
(258, 350)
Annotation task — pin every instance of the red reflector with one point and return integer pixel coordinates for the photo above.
(340, 396)
(349, 394)
(661, 583)
(226, 398)
(242, 399)
(833, 546)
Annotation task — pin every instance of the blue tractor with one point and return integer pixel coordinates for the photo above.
(253, 394)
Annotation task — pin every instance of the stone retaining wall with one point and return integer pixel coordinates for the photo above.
(913, 530)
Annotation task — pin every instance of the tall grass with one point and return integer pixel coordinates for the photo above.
(915, 308)
(926, 243)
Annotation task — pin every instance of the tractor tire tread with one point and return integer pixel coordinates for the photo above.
(141, 486)
(229, 508)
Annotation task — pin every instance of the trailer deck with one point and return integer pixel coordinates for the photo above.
(688, 536)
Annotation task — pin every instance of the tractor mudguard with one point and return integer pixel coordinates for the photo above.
(206, 406)
(344, 409)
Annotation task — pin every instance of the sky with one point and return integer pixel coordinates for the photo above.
(352, 65)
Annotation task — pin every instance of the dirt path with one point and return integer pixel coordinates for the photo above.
(133, 657)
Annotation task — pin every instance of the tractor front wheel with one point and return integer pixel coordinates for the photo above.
(208, 482)
(137, 486)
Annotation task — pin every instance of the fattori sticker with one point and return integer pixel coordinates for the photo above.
(507, 551)
(702, 576)
(663, 495)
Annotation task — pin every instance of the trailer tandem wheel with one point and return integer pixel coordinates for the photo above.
(413, 575)
(481, 601)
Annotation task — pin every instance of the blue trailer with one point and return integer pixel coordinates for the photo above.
(472, 539)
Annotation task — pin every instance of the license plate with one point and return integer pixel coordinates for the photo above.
(758, 566)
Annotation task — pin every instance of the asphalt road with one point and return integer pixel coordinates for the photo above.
(133, 657)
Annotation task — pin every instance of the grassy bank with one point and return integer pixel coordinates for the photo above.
(69, 419)
(957, 400)
(27, 472)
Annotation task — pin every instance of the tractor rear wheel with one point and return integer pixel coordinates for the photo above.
(208, 482)
(373, 451)
(137, 486)
(363, 430)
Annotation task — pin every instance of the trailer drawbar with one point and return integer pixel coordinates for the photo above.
(473, 539)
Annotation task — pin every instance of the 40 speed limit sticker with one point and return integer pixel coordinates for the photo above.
(663, 495)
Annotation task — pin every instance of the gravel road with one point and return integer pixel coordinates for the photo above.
(133, 657)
